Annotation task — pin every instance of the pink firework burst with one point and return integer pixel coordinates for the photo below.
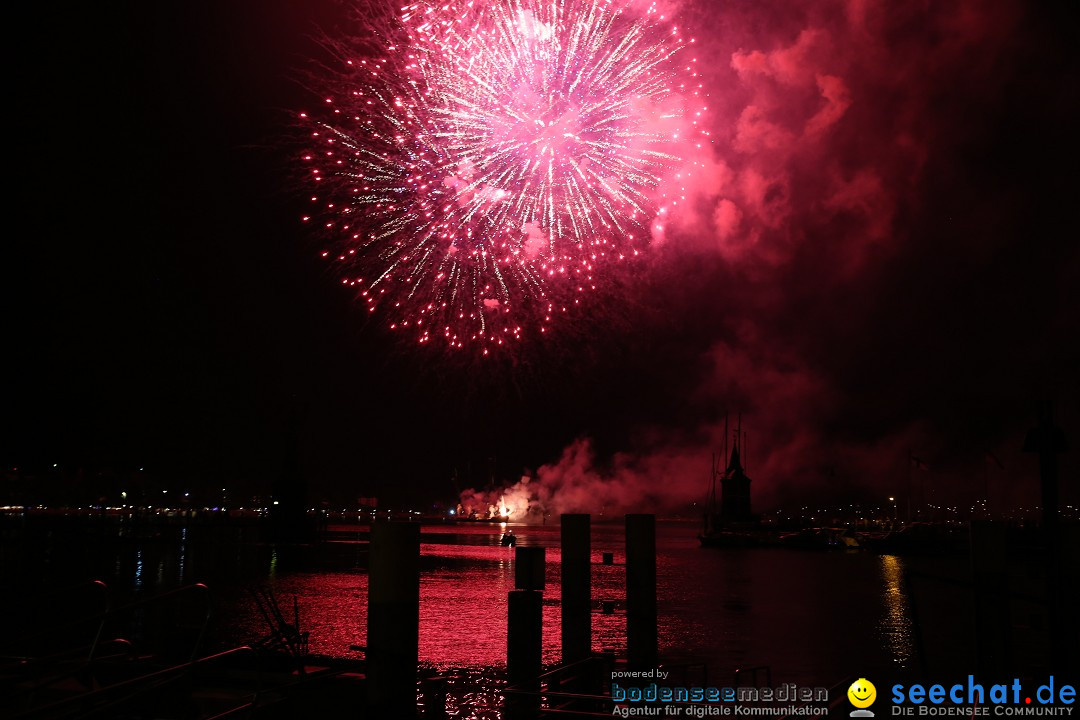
(480, 165)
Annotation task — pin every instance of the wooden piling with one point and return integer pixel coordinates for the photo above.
(576, 587)
(641, 636)
(524, 647)
(393, 636)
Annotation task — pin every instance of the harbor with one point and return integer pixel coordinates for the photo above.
(541, 360)
(284, 626)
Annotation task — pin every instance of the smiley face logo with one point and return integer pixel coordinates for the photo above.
(862, 693)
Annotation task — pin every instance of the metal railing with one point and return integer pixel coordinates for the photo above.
(80, 671)
(553, 693)
(104, 701)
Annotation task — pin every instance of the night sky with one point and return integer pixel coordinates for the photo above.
(882, 257)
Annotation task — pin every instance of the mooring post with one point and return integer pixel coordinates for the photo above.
(529, 568)
(393, 624)
(576, 587)
(1048, 440)
(641, 639)
(1069, 588)
(524, 646)
(990, 582)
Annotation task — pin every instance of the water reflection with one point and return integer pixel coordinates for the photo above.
(183, 554)
(805, 614)
(138, 569)
(793, 611)
(896, 624)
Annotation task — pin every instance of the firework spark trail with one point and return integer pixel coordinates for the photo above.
(483, 169)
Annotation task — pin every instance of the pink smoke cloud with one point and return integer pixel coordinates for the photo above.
(833, 124)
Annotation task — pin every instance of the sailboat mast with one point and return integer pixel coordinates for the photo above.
(738, 436)
(726, 441)
(712, 485)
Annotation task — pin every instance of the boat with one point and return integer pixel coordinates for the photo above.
(508, 539)
(821, 539)
(919, 538)
(729, 539)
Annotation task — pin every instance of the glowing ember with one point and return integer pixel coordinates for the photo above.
(481, 165)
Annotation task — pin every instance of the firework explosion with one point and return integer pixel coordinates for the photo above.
(482, 165)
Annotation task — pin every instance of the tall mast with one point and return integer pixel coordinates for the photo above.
(725, 441)
(738, 436)
(712, 487)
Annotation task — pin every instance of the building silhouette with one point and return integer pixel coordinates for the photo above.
(735, 492)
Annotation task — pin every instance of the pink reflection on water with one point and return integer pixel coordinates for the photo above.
(465, 578)
(791, 610)
(332, 608)
(463, 606)
(463, 600)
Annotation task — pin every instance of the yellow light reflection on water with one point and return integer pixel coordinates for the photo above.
(896, 623)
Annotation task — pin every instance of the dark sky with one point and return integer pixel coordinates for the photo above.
(882, 257)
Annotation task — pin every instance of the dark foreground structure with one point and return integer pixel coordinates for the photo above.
(87, 651)
(82, 651)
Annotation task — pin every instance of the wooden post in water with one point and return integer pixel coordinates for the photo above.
(576, 587)
(1068, 651)
(393, 630)
(1048, 440)
(529, 568)
(641, 638)
(524, 645)
(993, 636)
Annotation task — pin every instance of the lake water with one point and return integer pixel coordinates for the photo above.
(813, 618)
